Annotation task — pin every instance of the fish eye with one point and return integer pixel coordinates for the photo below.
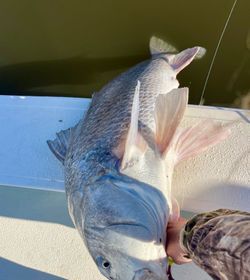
(105, 264)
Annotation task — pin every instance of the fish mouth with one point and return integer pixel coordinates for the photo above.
(156, 271)
(146, 274)
(127, 223)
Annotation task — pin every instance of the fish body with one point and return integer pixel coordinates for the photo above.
(119, 161)
(219, 242)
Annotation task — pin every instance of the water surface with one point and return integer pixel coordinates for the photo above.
(72, 48)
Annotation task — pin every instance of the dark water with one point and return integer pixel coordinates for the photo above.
(72, 48)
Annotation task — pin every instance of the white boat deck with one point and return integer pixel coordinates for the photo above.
(38, 240)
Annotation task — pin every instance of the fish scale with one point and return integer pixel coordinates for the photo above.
(111, 121)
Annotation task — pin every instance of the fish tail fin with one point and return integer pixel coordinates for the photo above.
(198, 138)
(59, 146)
(157, 46)
(177, 60)
(181, 60)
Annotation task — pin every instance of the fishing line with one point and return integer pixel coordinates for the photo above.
(215, 53)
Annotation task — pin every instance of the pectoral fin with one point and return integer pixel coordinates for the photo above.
(59, 146)
(169, 110)
(198, 138)
(158, 46)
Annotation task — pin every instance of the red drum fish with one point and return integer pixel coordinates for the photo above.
(119, 160)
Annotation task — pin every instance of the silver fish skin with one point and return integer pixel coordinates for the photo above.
(118, 163)
(219, 242)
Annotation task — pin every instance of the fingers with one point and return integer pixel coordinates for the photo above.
(176, 223)
(179, 257)
(173, 247)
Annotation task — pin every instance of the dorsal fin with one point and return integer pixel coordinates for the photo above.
(135, 144)
(59, 146)
(169, 110)
(157, 46)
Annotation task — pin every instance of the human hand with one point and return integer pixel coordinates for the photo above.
(173, 247)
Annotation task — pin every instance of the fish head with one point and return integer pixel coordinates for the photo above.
(122, 257)
(120, 232)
